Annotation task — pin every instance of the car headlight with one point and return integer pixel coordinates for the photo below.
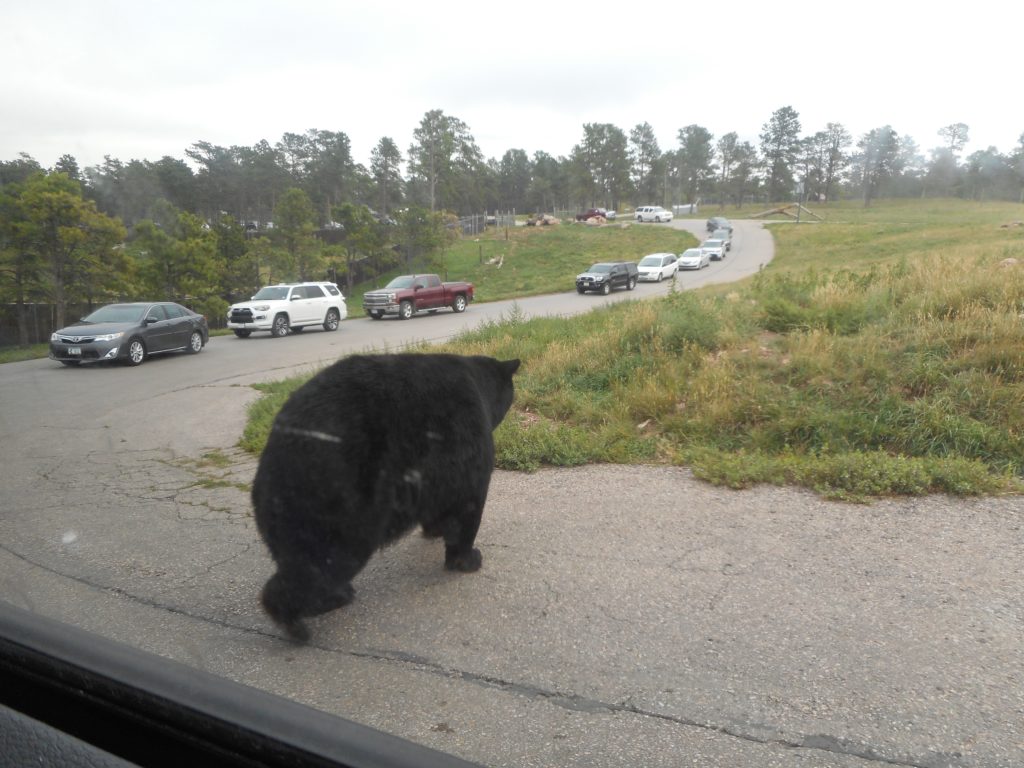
(54, 336)
(109, 336)
(262, 307)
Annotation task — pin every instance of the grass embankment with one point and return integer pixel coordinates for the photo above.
(882, 352)
(16, 354)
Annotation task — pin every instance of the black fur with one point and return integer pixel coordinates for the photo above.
(363, 452)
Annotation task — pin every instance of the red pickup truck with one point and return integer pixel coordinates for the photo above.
(408, 294)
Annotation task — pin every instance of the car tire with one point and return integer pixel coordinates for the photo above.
(332, 321)
(242, 334)
(632, 283)
(280, 327)
(405, 310)
(136, 352)
(606, 288)
(657, 219)
(195, 343)
(581, 291)
(459, 305)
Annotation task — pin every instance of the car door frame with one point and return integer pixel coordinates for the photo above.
(300, 306)
(619, 277)
(428, 296)
(157, 335)
(180, 326)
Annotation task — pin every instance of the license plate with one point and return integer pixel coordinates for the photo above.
(74, 350)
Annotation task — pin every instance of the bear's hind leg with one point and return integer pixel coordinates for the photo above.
(284, 599)
(459, 535)
(297, 592)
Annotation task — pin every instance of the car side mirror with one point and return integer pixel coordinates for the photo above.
(152, 319)
(295, 298)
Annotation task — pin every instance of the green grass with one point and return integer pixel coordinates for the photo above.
(881, 353)
(16, 354)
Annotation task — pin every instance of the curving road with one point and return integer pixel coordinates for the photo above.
(623, 615)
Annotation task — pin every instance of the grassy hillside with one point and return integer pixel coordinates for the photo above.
(882, 352)
(525, 261)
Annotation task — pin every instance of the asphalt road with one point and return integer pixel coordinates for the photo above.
(623, 615)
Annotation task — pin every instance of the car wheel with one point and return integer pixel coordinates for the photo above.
(606, 288)
(280, 327)
(376, 314)
(657, 219)
(136, 352)
(581, 291)
(405, 310)
(242, 334)
(332, 320)
(632, 283)
(195, 342)
(459, 305)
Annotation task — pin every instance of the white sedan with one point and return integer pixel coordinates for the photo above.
(694, 258)
(658, 267)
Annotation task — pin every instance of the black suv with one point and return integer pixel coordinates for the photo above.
(719, 222)
(605, 276)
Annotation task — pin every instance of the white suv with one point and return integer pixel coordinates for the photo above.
(653, 213)
(288, 307)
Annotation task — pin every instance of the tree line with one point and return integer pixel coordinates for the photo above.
(210, 229)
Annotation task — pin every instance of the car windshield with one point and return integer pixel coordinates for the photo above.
(116, 313)
(272, 293)
(693, 544)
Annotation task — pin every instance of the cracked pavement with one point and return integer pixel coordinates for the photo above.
(623, 615)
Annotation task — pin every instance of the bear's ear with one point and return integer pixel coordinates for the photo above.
(510, 366)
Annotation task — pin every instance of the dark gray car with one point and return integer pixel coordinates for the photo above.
(130, 333)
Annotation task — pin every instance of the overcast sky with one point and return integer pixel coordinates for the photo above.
(142, 80)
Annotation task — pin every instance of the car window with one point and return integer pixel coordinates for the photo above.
(173, 311)
(272, 293)
(333, 290)
(116, 313)
(433, 281)
(314, 292)
(156, 312)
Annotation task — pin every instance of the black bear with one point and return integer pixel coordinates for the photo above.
(363, 452)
